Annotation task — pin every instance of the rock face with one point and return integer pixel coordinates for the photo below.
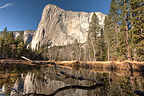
(62, 27)
(28, 35)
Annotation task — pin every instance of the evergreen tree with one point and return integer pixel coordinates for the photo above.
(113, 17)
(9, 41)
(111, 29)
(124, 34)
(102, 46)
(107, 35)
(20, 49)
(94, 31)
(4, 45)
(124, 30)
(10, 38)
(94, 28)
(11, 47)
(4, 33)
(137, 23)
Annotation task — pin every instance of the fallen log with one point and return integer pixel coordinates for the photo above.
(26, 58)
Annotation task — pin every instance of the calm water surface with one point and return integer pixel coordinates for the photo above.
(18, 80)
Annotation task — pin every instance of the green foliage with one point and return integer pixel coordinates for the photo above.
(96, 43)
(94, 28)
(137, 30)
(124, 30)
(114, 11)
(111, 30)
(4, 33)
(110, 38)
(12, 47)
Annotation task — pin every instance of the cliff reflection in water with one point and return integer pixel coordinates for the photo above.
(47, 80)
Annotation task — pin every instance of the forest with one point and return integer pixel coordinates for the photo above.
(12, 47)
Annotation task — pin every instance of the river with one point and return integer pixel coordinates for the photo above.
(22, 80)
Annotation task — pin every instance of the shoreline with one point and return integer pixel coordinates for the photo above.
(111, 65)
(120, 68)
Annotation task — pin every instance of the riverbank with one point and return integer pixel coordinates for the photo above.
(126, 65)
(110, 65)
(15, 61)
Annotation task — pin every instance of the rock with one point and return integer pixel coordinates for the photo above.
(60, 27)
(28, 35)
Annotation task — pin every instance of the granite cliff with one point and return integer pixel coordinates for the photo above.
(60, 27)
(28, 35)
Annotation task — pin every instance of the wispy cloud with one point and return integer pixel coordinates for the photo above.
(6, 5)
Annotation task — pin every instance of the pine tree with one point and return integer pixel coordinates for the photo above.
(124, 34)
(108, 37)
(102, 46)
(111, 30)
(126, 18)
(4, 33)
(20, 49)
(9, 41)
(114, 20)
(4, 45)
(10, 38)
(137, 21)
(94, 30)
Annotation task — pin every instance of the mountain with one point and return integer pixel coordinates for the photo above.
(59, 27)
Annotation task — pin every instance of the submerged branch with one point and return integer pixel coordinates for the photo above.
(68, 87)
(78, 78)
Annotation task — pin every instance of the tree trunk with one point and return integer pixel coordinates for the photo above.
(127, 37)
(94, 55)
(132, 33)
(89, 57)
(135, 53)
(108, 52)
(117, 41)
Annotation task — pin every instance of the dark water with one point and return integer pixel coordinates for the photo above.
(47, 80)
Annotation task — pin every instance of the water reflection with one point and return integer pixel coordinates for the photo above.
(50, 82)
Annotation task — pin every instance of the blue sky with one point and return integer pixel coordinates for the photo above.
(18, 15)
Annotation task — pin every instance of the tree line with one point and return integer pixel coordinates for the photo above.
(124, 30)
(121, 37)
(14, 47)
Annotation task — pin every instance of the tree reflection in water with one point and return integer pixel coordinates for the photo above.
(50, 82)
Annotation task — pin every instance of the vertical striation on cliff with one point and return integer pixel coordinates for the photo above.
(60, 27)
